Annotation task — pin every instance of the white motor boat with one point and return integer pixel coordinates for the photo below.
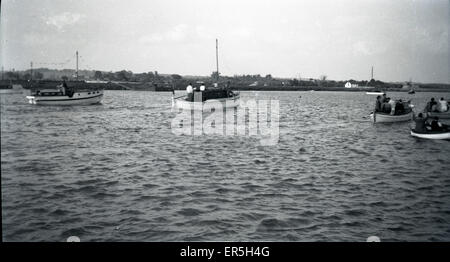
(207, 99)
(55, 97)
(431, 134)
(405, 115)
(226, 102)
(388, 118)
(375, 93)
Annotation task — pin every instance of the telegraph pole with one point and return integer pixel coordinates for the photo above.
(31, 71)
(76, 74)
(217, 59)
(372, 72)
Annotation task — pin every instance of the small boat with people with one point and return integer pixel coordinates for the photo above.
(388, 110)
(442, 115)
(439, 108)
(442, 135)
(64, 95)
(202, 98)
(379, 117)
(429, 128)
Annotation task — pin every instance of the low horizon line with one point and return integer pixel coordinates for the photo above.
(191, 75)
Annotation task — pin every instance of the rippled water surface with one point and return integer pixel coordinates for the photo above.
(116, 172)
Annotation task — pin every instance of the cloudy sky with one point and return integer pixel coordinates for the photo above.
(286, 38)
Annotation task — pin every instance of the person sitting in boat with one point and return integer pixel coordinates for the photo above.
(378, 104)
(399, 108)
(393, 104)
(189, 92)
(436, 125)
(385, 106)
(443, 105)
(421, 123)
(384, 99)
(431, 105)
(389, 106)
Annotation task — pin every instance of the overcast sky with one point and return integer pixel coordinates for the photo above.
(340, 39)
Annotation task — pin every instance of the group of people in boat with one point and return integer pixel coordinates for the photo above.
(439, 107)
(426, 124)
(201, 93)
(390, 106)
(63, 90)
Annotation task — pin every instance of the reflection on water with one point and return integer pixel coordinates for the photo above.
(116, 172)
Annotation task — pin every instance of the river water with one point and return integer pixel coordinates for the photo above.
(117, 172)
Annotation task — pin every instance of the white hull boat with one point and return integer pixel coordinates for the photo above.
(431, 135)
(78, 98)
(388, 118)
(441, 115)
(229, 102)
(375, 93)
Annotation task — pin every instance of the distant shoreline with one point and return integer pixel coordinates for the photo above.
(136, 86)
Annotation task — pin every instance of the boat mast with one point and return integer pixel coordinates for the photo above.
(76, 74)
(217, 59)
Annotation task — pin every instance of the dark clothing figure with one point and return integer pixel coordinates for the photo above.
(378, 104)
(420, 123)
(190, 97)
(435, 125)
(399, 109)
(431, 106)
(386, 108)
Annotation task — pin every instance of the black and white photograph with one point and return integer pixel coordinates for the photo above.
(237, 121)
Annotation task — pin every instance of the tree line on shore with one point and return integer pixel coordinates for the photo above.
(153, 78)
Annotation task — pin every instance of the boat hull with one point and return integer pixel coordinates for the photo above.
(386, 118)
(443, 115)
(433, 135)
(374, 93)
(78, 98)
(207, 105)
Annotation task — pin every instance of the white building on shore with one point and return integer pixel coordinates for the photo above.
(350, 85)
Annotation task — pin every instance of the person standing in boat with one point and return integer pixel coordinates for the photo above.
(202, 88)
(63, 88)
(190, 92)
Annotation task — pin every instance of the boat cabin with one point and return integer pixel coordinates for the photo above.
(209, 94)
